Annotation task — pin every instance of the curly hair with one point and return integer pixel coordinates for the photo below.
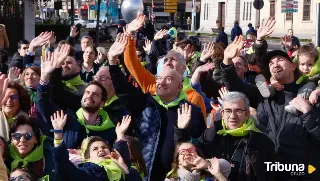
(308, 50)
(36, 69)
(24, 97)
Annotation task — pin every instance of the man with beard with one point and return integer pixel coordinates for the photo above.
(156, 115)
(296, 138)
(89, 120)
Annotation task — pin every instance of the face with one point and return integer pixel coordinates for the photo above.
(19, 175)
(290, 33)
(305, 64)
(11, 107)
(234, 114)
(281, 69)
(239, 65)
(139, 54)
(23, 139)
(169, 83)
(99, 151)
(91, 99)
(89, 55)
(101, 57)
(187, 153)
(70, 67)
(85, 42)
(172, 61)
(31, 78)
(104, 78)
(23, 50)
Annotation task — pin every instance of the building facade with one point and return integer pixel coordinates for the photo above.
(228, 11)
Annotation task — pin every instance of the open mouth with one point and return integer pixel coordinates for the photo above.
(103, 155)
(9, 105)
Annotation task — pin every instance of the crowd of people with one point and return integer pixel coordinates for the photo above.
(161, 109)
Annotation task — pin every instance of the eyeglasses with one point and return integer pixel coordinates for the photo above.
(26, 136)
(32, 64)
(102, 78)
(186, 151)
(167, 79)
(20, 178)
(237, 112)
(14, 97)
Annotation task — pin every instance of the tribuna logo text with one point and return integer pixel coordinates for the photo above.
(295, 169)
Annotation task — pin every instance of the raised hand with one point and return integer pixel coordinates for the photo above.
(40, 40)
(184, 116)
(200, 163)
(14, 74)
(188, 53)
(136, 23)
(160, 34)
(61, 54)
(4, 81)
(117, 158)
(147, 46)
(223, 91)
(266, 28)
(207, 52)
(123, 127)
(47, 66)
(206, 67)
(233, 49)
(52, 39)
(58, 120)
(117, 48)
(73, 31)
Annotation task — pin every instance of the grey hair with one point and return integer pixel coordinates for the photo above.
(103, 68)
(88, 37)
(181, 57)
(233, 97)
(102, 50)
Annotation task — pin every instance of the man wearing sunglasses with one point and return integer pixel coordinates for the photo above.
(236, 139)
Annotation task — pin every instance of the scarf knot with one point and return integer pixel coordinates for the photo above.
(111, 168)
(72, 83)
(182, 96)
(242, 131)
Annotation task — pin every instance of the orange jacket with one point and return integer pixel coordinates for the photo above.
(147, 81)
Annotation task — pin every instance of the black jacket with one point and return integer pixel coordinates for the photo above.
(223, 38)
(89, 78)
(297, 139)
(240, 151)
(17, 61)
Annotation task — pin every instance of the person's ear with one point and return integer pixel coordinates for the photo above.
(293, 66)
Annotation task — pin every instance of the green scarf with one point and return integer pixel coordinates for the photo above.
(182, 96)
(187, 84)
(242, 131)
(113, 171)
(10, 120)
(136, 168)
(76, 81)
(195, 56)
(35, 155)
(32, 94)
(106, 122)
(110, 101)
(315, 70)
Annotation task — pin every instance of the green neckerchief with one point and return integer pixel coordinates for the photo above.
(32, 94)
(111, 100)
(10, 120)
(71, 83)
(136, 168)
(113, 171)
(45, 178)
(242, 131)
(187, 84)
(106, 122)
(195, 56)
(144, 63)
(182, 96)
(315, 70)
(35, 155)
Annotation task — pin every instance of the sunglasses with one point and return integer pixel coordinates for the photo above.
(20, 178)
(32, 64)
(26, 136)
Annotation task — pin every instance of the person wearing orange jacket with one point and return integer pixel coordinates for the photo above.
(147, 80)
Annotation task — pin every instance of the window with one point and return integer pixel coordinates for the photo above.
(289, 16)
(244, 10)
(207, 11)
(247, 11)
(272, 9)
(204, 14)
(306, 10)
(250, 10)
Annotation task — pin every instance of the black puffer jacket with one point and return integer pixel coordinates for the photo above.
(297, 139)
(247, 153)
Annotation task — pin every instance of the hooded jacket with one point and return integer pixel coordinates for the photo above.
(236, 31)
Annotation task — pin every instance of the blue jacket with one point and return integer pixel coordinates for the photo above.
(223, 38)
(236, 31)
(251, 30)
(74, 132)
(154, 125)
(89, 171)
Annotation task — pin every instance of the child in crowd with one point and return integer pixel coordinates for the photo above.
(308, 64)
(186, 159)
(23, 174)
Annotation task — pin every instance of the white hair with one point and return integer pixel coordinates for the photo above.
(233, 97)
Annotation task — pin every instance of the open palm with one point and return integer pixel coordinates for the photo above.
(41, 40)
(234, 48)
(266, 28)
(58, 120)
(136, 23)
(184, 116)
(118, 46)
(207, 52)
